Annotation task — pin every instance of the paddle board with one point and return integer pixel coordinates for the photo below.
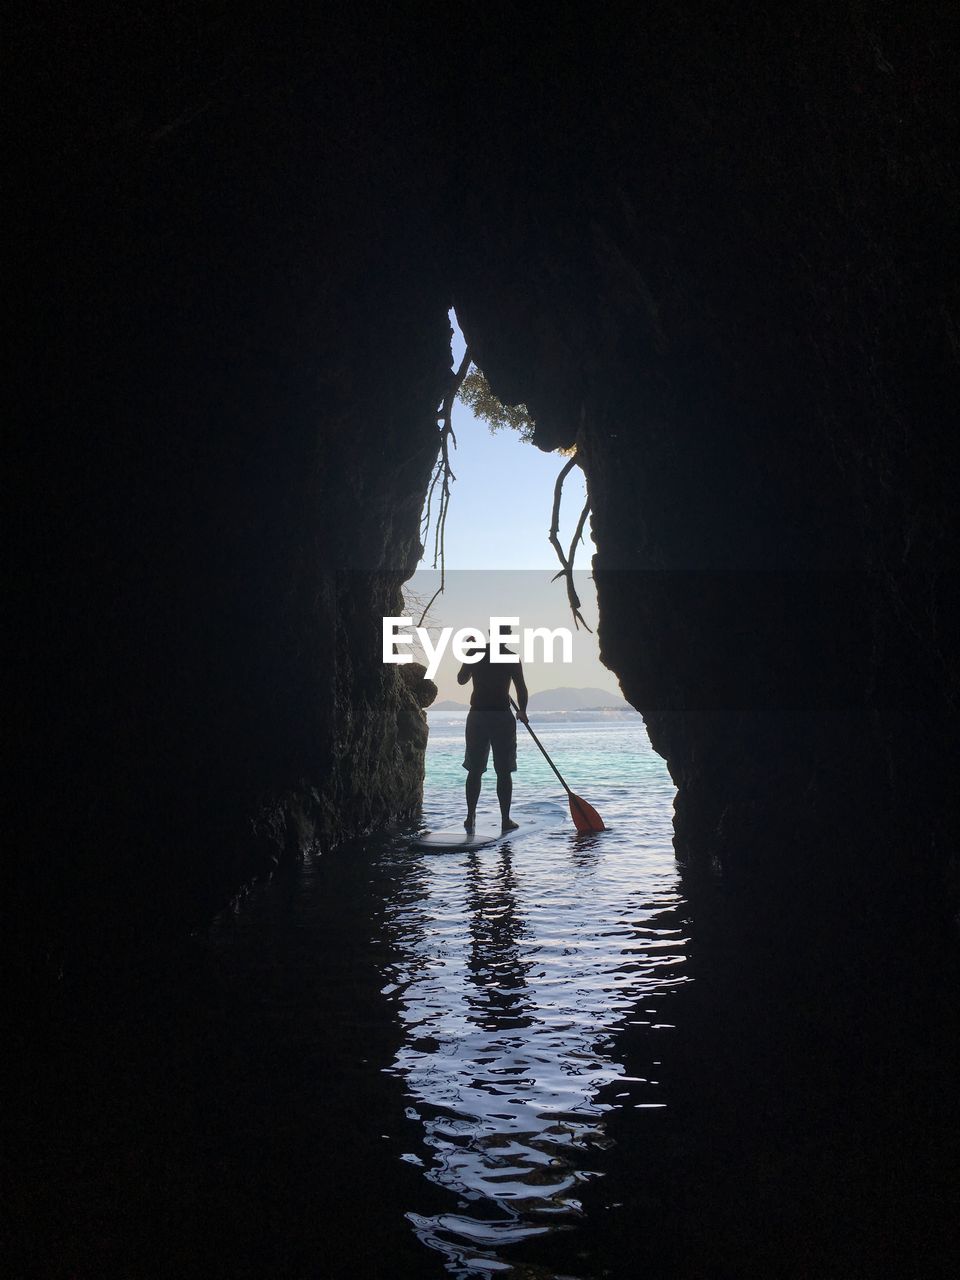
(457, 839)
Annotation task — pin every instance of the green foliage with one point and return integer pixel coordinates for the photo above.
(476, 395)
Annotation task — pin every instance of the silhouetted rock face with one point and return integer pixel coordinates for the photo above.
(232, 356)
(415, 678)
(719, 257)
(721, 265)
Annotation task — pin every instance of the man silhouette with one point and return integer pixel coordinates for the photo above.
(490, 723)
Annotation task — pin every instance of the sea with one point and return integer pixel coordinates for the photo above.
(521, 1060)
(457, 1042)
(518, 971)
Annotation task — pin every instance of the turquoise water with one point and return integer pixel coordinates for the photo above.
(516, 970)
(612, 760)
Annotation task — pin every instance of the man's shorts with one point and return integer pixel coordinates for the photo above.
(491, 727)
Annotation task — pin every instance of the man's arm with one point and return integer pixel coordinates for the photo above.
(521, 687)
(466, 671)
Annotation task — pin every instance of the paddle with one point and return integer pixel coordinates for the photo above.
(585, 817)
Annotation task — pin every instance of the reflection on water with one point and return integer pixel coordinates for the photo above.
(388, 1065)
(513, 971)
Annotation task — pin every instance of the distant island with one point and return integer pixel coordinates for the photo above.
(560, 706)
(549, 700)
(586, 715)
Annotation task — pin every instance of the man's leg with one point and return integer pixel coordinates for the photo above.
(505, 795)
(475, 758)
(504, 743)
(474, 780)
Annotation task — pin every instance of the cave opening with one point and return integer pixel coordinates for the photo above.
(492, 554)
(521, 966)
(716, 255)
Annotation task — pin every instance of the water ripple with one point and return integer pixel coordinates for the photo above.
(513, 972)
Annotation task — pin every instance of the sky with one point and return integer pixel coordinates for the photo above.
(498, 558)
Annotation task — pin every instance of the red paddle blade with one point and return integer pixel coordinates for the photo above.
(585, 817)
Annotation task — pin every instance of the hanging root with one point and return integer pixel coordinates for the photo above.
(444, 476)
(567, 561)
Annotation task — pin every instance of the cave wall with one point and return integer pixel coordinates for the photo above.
(229, 365)
(715, 252)
(721, 265)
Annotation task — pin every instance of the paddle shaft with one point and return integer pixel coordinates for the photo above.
(544, 750)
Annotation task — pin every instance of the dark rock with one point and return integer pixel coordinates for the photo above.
(713, 247)
(415, 678)
(720, 256)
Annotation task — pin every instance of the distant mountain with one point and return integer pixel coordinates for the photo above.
(573, 700)
(586, 715)
(550, 700)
